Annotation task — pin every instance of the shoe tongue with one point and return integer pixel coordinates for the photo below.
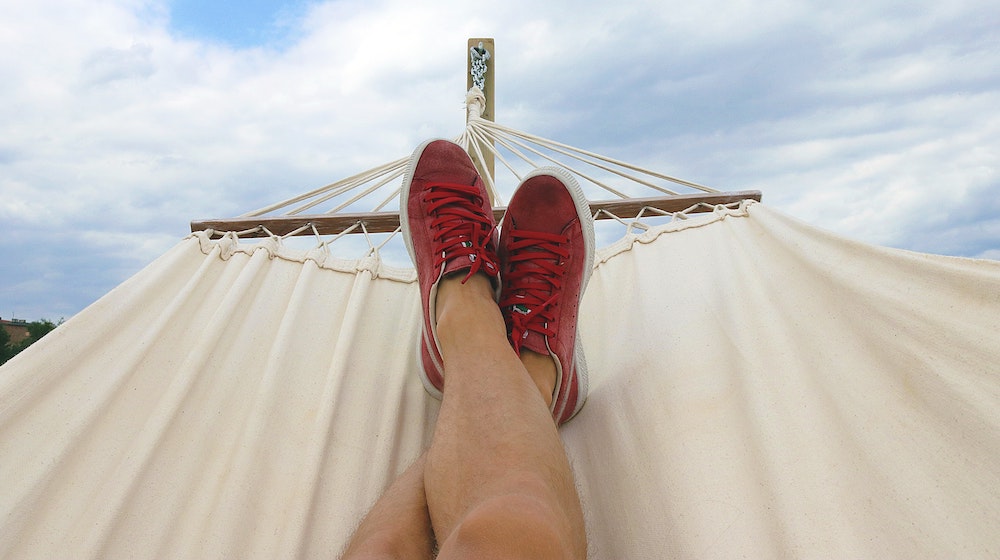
(457, 262)
(529, 339)
(535, 342)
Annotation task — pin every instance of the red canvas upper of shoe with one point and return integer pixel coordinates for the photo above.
(448, 191)
(459, 230)
(450, 228)
(533, 283)
(543, 255)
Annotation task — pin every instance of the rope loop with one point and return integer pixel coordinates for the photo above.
(479, 55)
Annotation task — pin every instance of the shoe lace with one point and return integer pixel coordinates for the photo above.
(459, 227)
(533, 283)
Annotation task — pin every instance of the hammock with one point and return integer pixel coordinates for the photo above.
(758, 388)
(483, 139)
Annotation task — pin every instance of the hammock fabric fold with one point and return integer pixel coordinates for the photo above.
(759, 388)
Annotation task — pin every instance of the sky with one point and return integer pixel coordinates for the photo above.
(123, 120)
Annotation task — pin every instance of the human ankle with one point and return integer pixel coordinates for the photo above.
(542, 370)
(455, 288)
(462, 308)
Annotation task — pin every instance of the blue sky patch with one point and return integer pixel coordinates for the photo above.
(241, 24)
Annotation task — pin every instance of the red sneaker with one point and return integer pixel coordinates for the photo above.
(547, 254)
(448, 226)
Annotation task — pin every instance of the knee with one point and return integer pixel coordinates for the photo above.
(514, 526)
(387, 545)
(373, 548)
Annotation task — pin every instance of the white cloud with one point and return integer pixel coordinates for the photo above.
(871, 120)
(111, 65)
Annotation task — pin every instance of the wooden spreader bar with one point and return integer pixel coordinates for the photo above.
(386, 222)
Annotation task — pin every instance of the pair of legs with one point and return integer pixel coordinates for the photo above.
(495, 482)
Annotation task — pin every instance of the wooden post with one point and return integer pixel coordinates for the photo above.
(489, 113)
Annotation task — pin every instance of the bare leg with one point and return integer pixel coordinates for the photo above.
(398, 526)
(497, 480)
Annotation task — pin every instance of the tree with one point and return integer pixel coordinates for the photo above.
(6, 348)
(36, 330)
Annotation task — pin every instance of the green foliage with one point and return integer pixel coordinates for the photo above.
(36, 330)
(6, 348)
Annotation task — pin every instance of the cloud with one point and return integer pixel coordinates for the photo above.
(111, 65)
(875, 120)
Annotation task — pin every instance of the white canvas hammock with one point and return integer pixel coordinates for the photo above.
(759, 388)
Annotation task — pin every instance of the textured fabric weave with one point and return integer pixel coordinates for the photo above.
(758, 388)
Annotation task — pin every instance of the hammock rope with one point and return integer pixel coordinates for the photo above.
(370, 198)
(501, 142)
